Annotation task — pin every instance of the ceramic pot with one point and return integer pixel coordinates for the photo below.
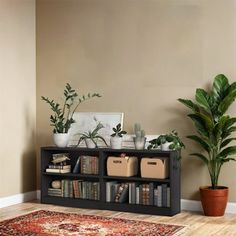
(61, 139)
(89, 143)
(165, 146)
(214, 201)
(139, 143)
(116, 142)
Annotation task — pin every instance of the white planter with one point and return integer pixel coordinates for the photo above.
(165, 146)
(139, 143)
(89, 143)
(61, 139)
(116, 142)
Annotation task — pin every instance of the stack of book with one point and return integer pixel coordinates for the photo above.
(89, 165)
(56, 192)
(59, 169)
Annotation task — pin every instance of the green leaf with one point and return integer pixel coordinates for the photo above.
(226, 142)
(200, 125)
(189, 104)
(202, 157)
(228, 99)
(200, 141)
(219, 88)
(202, 99)
(228, 151)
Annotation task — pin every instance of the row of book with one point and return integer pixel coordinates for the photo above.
(136, 193)
(77, 189)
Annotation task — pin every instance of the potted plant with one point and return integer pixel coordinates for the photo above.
(91, 137)
(62, 117)
(167, 142)
(139, 139)
(214, 130)
(116, 137)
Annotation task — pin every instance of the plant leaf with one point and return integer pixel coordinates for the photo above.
(202, 99)
(226, 142)
(200, 141)
(201, 156)
(228, 151)
(189, 104)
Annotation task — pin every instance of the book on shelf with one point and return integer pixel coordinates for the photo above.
(122, 193)
(61, 171)
(77, 166)
(55, 192)
(89, 165)
(109, 195)
(60, 167)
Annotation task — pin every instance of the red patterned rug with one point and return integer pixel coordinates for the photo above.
(50, 223)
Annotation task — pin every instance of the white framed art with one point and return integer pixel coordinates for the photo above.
(85, 121)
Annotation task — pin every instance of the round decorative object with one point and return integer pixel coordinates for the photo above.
(56, 184)
(61, 139)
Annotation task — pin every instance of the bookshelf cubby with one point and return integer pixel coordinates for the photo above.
(173, 181)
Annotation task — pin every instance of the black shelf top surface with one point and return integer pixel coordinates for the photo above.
(72, 175)
(135, 178)
(108, 150)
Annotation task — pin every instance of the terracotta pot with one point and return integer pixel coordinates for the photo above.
(214, 201)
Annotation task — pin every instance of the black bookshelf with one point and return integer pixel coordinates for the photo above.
(173, 180)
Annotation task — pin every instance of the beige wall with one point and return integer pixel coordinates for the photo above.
(141, 55)
(17, 97)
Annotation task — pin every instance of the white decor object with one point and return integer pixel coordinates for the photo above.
(165, 146)
(116, 142)
(56, 184)
(84, 122)
(89, 143)
(61, 139)
(139, 143)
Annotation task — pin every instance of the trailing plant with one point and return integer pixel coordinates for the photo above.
(93, 135)
(118, 131)
(172, 138)
(139, 133)
(213, 126)
(62, 117)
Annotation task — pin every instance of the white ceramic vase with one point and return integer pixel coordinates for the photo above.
(89, 143)
(165, 146)
(61, 139)
(116, 142)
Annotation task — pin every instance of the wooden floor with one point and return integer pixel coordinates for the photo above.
(196, 223)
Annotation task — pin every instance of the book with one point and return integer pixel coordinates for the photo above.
(122, 193)
(164, 195)
(159, 196)
(137, 195)
(49, 170)
(61, 167)
(77, 166)
(168, 196)
(109, 190)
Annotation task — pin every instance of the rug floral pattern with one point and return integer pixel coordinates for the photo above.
(50, 223)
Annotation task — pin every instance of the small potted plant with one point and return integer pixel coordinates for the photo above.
(116, 137)
(139, 139)
(91, 137)
(167, 142)
(62, 117)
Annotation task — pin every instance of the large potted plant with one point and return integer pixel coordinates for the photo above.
(62, 117)
(214, 130)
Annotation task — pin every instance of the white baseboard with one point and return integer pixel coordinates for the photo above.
(18, 198)
(186, 205)
(191, 205)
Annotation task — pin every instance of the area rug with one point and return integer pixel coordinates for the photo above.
(51, 223)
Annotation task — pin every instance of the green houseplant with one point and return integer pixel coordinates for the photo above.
(214, 129)
(92, 137)
(62, 117)
(167, 142)
(116, 137)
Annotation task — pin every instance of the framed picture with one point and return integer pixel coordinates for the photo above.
(85, 121)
